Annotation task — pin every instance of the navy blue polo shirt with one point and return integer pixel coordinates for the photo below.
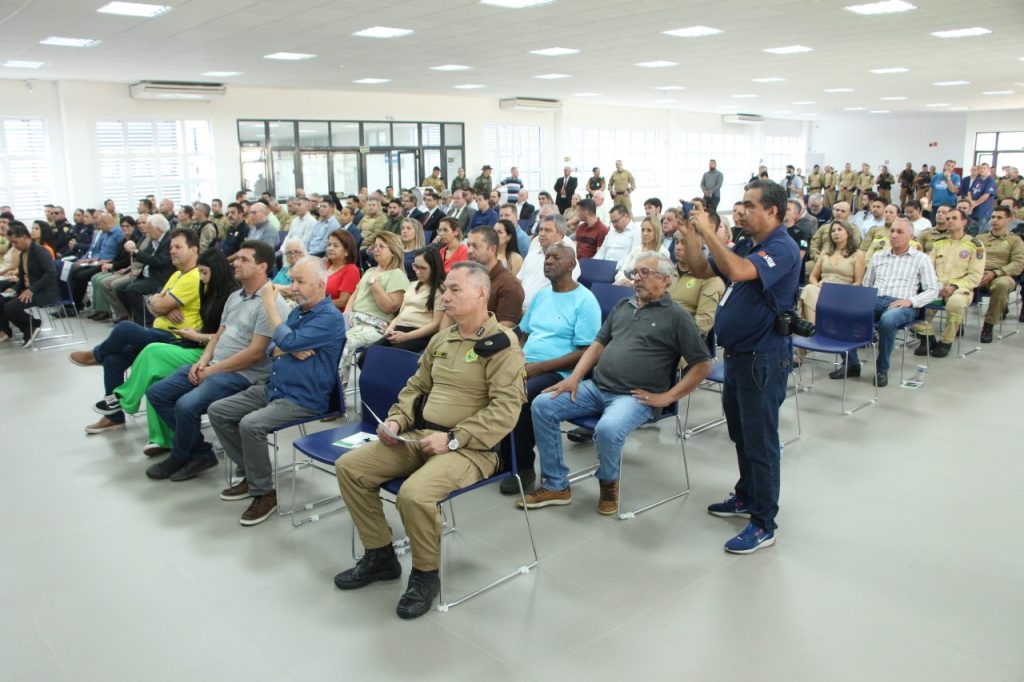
(744, 321)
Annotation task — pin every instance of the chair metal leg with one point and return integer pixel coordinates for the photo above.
(874, 380)
(309, 506)
(625, 516)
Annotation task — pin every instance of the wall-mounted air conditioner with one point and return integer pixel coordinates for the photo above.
(743, 119)
(529, 104)
(176, 90)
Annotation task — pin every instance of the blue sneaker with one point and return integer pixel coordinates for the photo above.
(750, 540)
(733, 506)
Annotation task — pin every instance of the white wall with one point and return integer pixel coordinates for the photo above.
(990, 122)
(896, 140)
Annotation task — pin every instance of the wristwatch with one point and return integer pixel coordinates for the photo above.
(453, 442)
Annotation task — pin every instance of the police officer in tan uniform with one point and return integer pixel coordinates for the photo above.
(847, 184)
(959, 264)
(434, 180)
(698, 296)
(828, 182)
(929, 236)
(621, 184)
(1004, 261)
(1008, 186)
(865, 180)
(814, 180)
(452, 414)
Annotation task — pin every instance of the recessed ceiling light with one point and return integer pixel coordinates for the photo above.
(222, 74)
(838, 90)
(895, 98)
(943, 84)
(555, 51)
(451, 67)
(469, 86)
(879, 111)
(19, 64)
(890, 69)
(853, 108)
(962, 32)
(69, 42)
(382, 32)
(998, 92)
(289, 56)
(804, 102)
(789, 49)
(372, 81)
(134, 9)
(771, 79)
(692, 32)
(515, 4)
(938, 104)
(664, 101)
(884, 7)
(552, 76)
(744, 96)
(657, 64)
(959, 108)
(669, 87)
(586, 94)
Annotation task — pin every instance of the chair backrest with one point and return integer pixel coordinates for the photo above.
(597, 270)
(63, 286)
(428, 236)
(608, 295)
(281, 236)
(845, 312)
(385, 373)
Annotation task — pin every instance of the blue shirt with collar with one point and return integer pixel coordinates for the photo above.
(318, 239)
(308, 382)
(980, 187)
(482, 219)
(745, 321)
(105, 245)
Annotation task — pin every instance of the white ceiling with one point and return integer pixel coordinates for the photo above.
(612, 36)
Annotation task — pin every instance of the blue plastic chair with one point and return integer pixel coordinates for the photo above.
(385, 373)
(845, 321)
(597, 270)
(609, 295)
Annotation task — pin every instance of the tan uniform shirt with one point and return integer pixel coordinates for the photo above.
(699, 297)
(865, 181)
(437, 184)
(959, 262)
(621, 181)
(928, 237)
(1007, 189)
(284, 218)
(829, 179)
(371, 226)
(476, 394)
(1004, 255)
(814, 181)
(847, 180)
(876, 232)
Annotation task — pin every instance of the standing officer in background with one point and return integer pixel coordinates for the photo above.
(828, 181)
(847, 183)
(884, 181)
(865, 180)
(621, 184)
(906, 180)
(762, 277)
(711, 186)
(814, 181)
(565, 187)
(483, 183)
(463, 400)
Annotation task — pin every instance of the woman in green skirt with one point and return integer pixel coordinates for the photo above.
(159, 360)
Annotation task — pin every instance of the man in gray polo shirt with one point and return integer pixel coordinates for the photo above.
(625, 392)
(234, 359)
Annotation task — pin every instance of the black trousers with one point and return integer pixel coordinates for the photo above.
(79, 280)
(132, 297)
(13, 312)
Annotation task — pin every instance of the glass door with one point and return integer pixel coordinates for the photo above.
(345, 167)
(315, 177)
(378, 170)
(407, 166)
(254, 170)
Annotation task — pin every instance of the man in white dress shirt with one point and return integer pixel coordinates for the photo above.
(621, 239)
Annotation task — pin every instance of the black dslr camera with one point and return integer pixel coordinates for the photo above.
(789, 323)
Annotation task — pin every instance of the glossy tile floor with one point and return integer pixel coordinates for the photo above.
(898, 556)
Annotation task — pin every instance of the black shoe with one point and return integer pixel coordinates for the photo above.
(845, 371)
(108, 406)
(882, 379)
(193, 468)
(580, 435)
(986, 333)
(510, 487)
(100, 316)
(164, 469)
(1021, 317)
(419, 595)
(940, 350)
(922, 348)
(376, 564)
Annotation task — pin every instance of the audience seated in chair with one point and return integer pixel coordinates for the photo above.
(508, 246)
(421, 313)
(36, 285)
(120, 271)
(154, 256)
(462, 401)
(506, 296)
(626, 393)
(342, 271)
(1004, 262)
(648, 240)
(698, 296)
(306, 348)
(840, 263)
(550, 231)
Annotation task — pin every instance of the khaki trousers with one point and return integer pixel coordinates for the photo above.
(956, 308)
(847, 196)
(430, 479)
(830, 197)
(998, 294)
(624, 200)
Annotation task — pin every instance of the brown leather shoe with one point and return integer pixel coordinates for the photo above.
(239, 491)
(542, 497)
(262, 507)
(83, 358)
(609, 502)
(103, 425)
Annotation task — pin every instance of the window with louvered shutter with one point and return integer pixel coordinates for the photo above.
(26, 180)
(641, 151)
(520, 146)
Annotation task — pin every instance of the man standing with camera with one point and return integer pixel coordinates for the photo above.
(762, 278)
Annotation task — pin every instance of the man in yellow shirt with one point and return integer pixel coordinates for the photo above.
(174, 308)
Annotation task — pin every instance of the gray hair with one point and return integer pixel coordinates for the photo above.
(294, 242)
(316, 265)
(475, 273)
(664, 262)
(906, 222)
(159, 222)
(558, 220)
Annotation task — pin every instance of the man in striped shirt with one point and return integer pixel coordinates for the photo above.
(905, 279)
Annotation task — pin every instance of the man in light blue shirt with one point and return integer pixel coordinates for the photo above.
(317, 245)
(945, 186)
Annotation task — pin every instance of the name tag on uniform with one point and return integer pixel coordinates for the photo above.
(438, 353)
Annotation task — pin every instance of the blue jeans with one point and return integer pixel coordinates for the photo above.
(889, 320)
(119, 350)
(620, 415)
(754, 388)
(181, 404)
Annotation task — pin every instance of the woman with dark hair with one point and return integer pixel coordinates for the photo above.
(449, 237)
(159, 360)
(420, 315)
(342, 272)
(42, 234)
(841, 262)
(508, 246)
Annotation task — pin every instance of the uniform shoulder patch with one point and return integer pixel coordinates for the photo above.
(492, 344)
